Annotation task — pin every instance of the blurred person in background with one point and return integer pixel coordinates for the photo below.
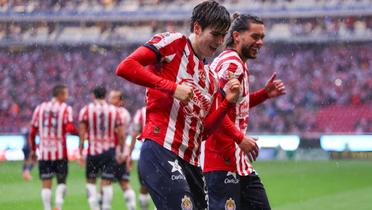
(101, 124)
(52, 120)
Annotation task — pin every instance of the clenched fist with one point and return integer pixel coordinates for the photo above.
(232, 90)
(184, 93)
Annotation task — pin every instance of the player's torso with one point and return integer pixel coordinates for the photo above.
(101, 118)
(221, 150)
(175, 125)
(52, 119)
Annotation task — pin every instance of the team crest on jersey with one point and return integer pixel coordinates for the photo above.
(230, 204)
(186, 203)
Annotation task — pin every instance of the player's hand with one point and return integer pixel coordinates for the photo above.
(120, 158)
(81, 160)
(129, 163)
(32, 157)
(232, 90)
(274, 88)
(250, 147)
(184, 93)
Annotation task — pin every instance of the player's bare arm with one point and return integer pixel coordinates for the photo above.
(82, 135)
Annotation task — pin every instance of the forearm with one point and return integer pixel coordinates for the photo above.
(257, 97)
(31, 139)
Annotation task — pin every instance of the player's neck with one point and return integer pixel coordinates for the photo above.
(100, 101)
(239, 53)
(195, 47)
(54, 99)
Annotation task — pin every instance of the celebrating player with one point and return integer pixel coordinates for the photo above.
(52, 120)
(100, 123)
(180, 93)
(232, 183)
(122, 167)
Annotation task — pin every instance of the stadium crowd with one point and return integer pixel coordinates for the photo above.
(316, 76)
(112, 5)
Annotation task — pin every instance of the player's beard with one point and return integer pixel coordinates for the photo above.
(246, 51)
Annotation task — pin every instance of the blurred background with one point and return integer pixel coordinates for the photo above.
(321, 49)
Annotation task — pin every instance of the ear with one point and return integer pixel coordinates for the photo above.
(236, 37)
(197, 28)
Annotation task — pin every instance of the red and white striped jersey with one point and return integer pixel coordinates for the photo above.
(221, 152)
(101, 120)
(51, 119)
(176, 126)
(139, 120)
(125, 118)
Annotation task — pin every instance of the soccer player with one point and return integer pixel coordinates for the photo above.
(122, 169)
(179, 96)
(100, 123)
(231, 180)
(138, 124)
(52, 120)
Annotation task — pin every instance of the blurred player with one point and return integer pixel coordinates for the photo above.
(122, 169)
(137, 127)
(232, 183)
(100, 123)
(52, 120)
(180, 93)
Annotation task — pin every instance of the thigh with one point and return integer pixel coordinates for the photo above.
(121, 172)
(108, 164)
(195, 179)
(253, 194)
(93, 167)
(164, 178)
(223, 190)
(45, 169)
(61, 170)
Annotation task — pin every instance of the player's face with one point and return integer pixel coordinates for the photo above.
(114, 98)
(209, 40)
(63, 96)
(251, 41)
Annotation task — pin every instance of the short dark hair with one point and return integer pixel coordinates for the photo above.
(210, 13)
(58, 90)
(99, 92)
(241, 23)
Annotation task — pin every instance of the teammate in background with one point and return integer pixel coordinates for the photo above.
(180, 93)
(232, 182)
(122, 169)
(100, 123)
(28, 163)
(52, 120)
(137, 127)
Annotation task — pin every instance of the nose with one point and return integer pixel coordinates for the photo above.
(259, 42)
(220, 40)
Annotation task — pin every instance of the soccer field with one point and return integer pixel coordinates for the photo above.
(291, 185)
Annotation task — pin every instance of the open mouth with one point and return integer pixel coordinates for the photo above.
(213, 48)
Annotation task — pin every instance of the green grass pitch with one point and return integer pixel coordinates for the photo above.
(291, 185)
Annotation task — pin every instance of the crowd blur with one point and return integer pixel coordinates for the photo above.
(112, 5)
(316, 76)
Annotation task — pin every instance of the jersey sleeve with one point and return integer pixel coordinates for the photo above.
(118, 119)
(228, 70)
(83, 115)
(165, 45)
(35, 117)
(68, 117)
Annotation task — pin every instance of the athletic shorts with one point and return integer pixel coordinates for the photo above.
(101, 165)
(49, 168)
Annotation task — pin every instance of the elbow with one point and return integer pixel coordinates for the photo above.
(121, 69)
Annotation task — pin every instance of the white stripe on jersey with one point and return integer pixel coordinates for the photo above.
(171, 128)
(167, 39)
